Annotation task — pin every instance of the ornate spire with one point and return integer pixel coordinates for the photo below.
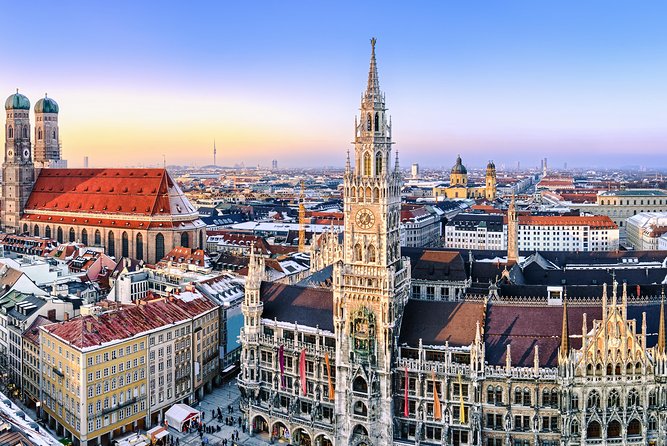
(373, 88)
(661, 327)
(564, 336)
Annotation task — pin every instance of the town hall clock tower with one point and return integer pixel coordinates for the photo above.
(371, 282)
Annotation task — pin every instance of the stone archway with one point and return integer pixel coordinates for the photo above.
(300, 437)
(260, 425)
(280, 431)
(322, 440)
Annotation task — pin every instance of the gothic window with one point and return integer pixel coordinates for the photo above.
(371, 254)
(39, 134)
(360, 409)
(159, 247)
(59, 235)
(185, 240)
(377, 122)
(360, 431)
(84, 237)
(629, 369)
(72, 235)
(36, 231)
(53, 135)
(593, 430)
(25, 228)
(574, 402)
(652, 424)
(652, 398)
(617, 369)
(10, 132)
(25, 131)
(111, 244)
(526, 397)
(593, 400)
(367, 164)
(633, 398)
(378, 163)
(139, 250)
(369, 122)
(613, 399)
(574, 428)
(47, 232)
(98, 238)
(614, 429)
(634, 427)
(357, 253)
(359, 385)
(638, 368)
(363, 332)
(124, 245)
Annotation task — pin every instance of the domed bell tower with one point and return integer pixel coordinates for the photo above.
(371, 282)
(47, 137)
(18, 173)
(490, 187)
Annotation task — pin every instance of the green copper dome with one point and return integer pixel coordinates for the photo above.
(17, 102)
(459, 167)
(46, 105)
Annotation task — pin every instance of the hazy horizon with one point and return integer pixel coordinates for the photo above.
(513, 81)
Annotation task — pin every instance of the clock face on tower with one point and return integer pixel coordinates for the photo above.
(26, 153)
(365, 218)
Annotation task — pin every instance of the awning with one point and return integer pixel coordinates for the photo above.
(179, 414)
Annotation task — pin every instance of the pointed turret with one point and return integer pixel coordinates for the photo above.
(373, 88)
(564, 335)
(661, 327)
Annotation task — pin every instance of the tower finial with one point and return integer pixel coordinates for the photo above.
(661, 328)
(373, 88)
(564, 336)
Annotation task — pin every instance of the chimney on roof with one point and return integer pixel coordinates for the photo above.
(66, 316)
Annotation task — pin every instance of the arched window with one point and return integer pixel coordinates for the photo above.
(357, 253)
(593, 430)
(139, 250)
(360, 409)
(527, 400)
(378, 163)
(614, 429)
(371, 254)
(47, 232)
(10, 132)
(72, 235)
(159, 247)
(25, 228)
(111, 244)
(499, 395)
(574, 402)
(574, 428)
(39, 134)
(59, 235)
(369, 122)
(124, 245)
(25, 131)
(652, 398)
(36, 231)
(652, 424)
(53, 135)
(518, 393)
(367, 164)
(634, 427)
(359, 385)
(593, 399)
(185, 240)
(633, 398)
(377, 122)
(84, 237)
(98, 237)
(613, 399)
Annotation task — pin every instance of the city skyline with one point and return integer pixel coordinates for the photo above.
(581, 84)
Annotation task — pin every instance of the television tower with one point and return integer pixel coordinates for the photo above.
(215, 154)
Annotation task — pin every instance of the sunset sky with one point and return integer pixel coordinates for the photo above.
(582, 82)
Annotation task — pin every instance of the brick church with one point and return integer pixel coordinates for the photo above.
(139, 213)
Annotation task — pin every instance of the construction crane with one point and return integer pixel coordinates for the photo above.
(302, 221)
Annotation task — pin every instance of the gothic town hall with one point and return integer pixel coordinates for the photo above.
(435, 347)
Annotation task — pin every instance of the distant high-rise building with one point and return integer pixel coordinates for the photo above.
(544, 167)
(415, 170)
(85, 162)
(274, 164)
(215, 154)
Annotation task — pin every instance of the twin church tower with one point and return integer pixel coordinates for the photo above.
(22, 165)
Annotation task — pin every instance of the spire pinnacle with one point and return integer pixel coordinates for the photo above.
(661, 327)
(564, 337)
(373, 88)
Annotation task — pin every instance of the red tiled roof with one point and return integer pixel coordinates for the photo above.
(594, 221)
(181, 255)
(90, 331)
(149, 192)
